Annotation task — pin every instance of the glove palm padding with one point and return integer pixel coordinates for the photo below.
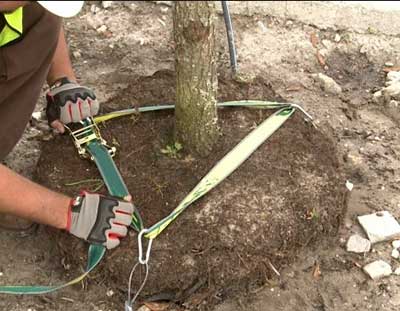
(100, 220)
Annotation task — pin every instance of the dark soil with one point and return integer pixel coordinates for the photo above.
(288, 194)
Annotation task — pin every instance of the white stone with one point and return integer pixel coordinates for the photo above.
(380, 226)
(337, 38)
(102, 28)
(392, 91)
(327, 83)
(110, 293)
(76, 54)
(393, 104)
(363, 49)
(261, 25)
(106, 4)
(397, 271)
(378, 269)
(395, 254)
(396, 244)
(144, 308)
(389, 64)
(378, 97)
(393, 75)
(349, 185)
(357, 244)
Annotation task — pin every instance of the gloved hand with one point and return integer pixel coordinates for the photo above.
(99, 219)
(69, 102)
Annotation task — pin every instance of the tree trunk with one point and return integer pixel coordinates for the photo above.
(196, 76)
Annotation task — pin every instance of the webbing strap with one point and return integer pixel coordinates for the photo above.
(111, 176)
(13, 27)
(117, 188)
(95, 254)
(221, 170)
(226, 166)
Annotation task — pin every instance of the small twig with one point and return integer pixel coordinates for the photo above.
(273, 268)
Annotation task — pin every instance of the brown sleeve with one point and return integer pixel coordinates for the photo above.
(23, 69)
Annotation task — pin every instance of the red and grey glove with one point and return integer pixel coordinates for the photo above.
(70, 102)
(99, 219)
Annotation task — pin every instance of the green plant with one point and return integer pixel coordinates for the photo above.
(173, 150)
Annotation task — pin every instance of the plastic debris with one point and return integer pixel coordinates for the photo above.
(349, 185)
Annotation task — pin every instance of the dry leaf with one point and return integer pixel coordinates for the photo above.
(321, 59)
(157, 306)
(314, 39)
(317, 271)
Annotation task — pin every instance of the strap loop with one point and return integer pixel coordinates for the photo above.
(144, 261)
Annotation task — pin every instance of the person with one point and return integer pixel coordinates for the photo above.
(33, 49)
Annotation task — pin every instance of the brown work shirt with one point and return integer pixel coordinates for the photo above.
(24, 66)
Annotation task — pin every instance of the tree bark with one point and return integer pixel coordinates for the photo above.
(196, 120)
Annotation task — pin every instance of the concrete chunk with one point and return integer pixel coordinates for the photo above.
(378, 269)
(358, 244)
(396, 244)
(395, 254)
(380, 226)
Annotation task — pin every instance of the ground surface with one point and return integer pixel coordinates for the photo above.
(138, 44)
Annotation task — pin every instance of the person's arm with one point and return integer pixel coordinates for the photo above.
(9, 6)
(67, 101)
(61, 65)
(21, 197)
(95, 218)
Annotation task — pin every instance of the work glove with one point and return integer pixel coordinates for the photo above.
(69, 102)
(99, 219)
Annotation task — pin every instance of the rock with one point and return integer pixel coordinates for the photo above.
(261, 25)
(144, 308)
(397, 271)
(377, 98)
(102, 29)
(395, 254)
(94, 9)
(110, 293)
(357, 244)
(289, 23)
(106, 4)
(337, 38)
(392, 91)
(393, 104)
(380, 226)
(396, 244)
(363, 49)
(349, 185)
(378, 269)
(327, 83)
(77, 54)
(393, 75)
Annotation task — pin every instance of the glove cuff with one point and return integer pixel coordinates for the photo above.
(69, 215)
(61, 81)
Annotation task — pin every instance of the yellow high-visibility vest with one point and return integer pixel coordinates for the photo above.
(13, 27)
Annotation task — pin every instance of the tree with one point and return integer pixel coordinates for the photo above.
(196, 120)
